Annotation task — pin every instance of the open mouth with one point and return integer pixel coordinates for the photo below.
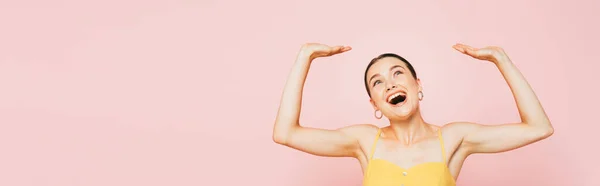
(396, 98)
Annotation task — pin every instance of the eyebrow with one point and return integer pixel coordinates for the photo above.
(393, 67)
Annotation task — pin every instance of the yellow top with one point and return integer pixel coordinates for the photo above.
(385, 173)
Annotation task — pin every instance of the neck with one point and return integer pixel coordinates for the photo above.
(408, 130)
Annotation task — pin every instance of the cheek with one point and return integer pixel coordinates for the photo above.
(409, 82)
(376, 91)
(375, 94)
(403, 79)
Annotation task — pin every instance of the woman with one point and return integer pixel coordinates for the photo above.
(409, 151)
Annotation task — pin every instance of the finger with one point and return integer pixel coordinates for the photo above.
(346, 48)
(336, 49)
(339, 49)
(468, 47)
(458, 48)
(471, 52)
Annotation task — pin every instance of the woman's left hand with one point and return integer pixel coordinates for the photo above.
(491, 53)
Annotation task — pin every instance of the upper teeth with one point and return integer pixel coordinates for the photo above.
(393, 96)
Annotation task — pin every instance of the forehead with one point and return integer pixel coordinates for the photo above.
(384, 65)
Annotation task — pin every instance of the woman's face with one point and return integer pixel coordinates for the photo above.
(393, 88)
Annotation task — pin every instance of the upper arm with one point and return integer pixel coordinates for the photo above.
(478, 138)
(342, 142)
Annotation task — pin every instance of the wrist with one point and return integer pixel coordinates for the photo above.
(503, 63)
(501, 58)
(305, 55)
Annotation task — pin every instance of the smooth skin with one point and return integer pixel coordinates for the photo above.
(408, 139)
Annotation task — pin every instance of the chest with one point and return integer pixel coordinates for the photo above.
(409, 156)
(382, 173)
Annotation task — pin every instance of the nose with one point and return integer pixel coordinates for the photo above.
(391, 87)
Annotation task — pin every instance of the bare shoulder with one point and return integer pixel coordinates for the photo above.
(458, 128)
(360, 130)
(364, 133)
(453, 134)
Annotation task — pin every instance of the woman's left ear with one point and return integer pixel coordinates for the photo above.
(373, 104)
(419, 84)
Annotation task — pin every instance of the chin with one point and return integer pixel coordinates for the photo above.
(402, 115)
(403, 112)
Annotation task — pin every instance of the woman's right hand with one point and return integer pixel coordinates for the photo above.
(317, 50)
(344, 142)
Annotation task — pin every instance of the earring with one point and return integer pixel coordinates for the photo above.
(378, 117)
(420, 95)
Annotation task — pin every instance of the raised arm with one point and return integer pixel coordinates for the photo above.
(288, 131)
(534, 125)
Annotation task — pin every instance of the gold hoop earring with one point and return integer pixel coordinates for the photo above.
(420, 94)
(378, 117)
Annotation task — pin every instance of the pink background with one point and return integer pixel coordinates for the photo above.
(184, 92)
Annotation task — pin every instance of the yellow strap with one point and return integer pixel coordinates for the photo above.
(374, 144)
(442, 144)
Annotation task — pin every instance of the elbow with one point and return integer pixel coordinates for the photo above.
(279, 139)
(282, 131)
(545, 132)
(549, 132)
(281, 135)
(540, 129)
